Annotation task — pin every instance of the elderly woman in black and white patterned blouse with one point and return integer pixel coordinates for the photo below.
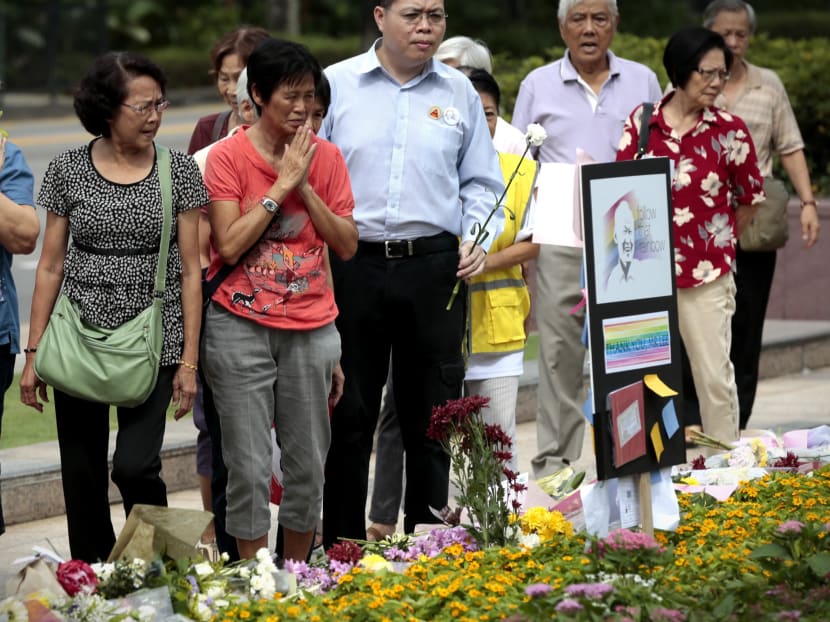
(107, 195)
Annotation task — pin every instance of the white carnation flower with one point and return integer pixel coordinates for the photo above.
(535, 135)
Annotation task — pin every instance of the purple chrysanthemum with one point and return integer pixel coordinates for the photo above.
(667, 615)
(790, 526)
(593, 591)
(536, 590)
(568, 606)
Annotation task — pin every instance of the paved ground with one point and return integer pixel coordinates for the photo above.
(783, 403)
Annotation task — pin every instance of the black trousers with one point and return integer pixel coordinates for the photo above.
(398, 305)
(6, 377)
(83, 438)
(753, 282)
(225, 542)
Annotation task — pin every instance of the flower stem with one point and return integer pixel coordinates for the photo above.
(482, 230)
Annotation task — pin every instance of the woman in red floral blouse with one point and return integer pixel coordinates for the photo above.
(715, 184)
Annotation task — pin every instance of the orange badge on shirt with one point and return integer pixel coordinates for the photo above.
(435, 113)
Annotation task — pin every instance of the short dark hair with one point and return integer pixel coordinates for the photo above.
(484, 82)
(103, 88)
(685, 49)
(322, 93)
(275, 62)
(241, 42)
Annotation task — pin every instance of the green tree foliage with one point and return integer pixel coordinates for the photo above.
(800, 64)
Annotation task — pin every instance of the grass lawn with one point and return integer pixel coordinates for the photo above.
(23, 425)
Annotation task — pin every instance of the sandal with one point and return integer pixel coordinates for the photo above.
(378, 532)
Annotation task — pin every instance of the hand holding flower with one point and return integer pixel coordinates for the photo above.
(472, 259)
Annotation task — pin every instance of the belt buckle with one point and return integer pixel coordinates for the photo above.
(396, 249)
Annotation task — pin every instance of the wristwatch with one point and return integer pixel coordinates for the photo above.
(270, 205)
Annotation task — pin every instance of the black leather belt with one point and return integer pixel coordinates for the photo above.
(399, 249)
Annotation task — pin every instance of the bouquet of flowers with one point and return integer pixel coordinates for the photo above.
(478, 454)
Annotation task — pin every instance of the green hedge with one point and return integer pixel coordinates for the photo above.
(800, 64)
(189, 68)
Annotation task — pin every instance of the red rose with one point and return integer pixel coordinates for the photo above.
(76, 576)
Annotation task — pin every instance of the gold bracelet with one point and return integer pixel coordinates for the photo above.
(188, 365)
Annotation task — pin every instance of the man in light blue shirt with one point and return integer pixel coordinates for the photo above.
(582, 101)
(424, 174)
(19, 228)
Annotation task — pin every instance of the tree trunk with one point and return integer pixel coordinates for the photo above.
(284, 16)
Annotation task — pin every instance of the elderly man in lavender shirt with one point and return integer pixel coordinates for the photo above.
(582, 101)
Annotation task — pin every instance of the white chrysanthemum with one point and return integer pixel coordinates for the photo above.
(535, 135)
(742, 457)
(705, 271)
(531, 540)
(201, 611)
(263, 586)
(103, 571)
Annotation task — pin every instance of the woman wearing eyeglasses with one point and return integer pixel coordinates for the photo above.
(108, 196)
(716, 183)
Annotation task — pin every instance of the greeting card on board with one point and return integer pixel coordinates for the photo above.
(628, 423)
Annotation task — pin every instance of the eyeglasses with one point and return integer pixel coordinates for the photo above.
(435, 18)
(144, 109)
(710, 74)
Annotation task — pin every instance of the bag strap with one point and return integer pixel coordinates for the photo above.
(166, 183)
(218, 124)
(209, 287)
(645, 118)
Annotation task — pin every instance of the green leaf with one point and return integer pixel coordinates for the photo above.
(770, 550)
(724, 607)
(820, 564)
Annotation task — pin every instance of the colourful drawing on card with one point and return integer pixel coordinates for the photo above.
(636, 341)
